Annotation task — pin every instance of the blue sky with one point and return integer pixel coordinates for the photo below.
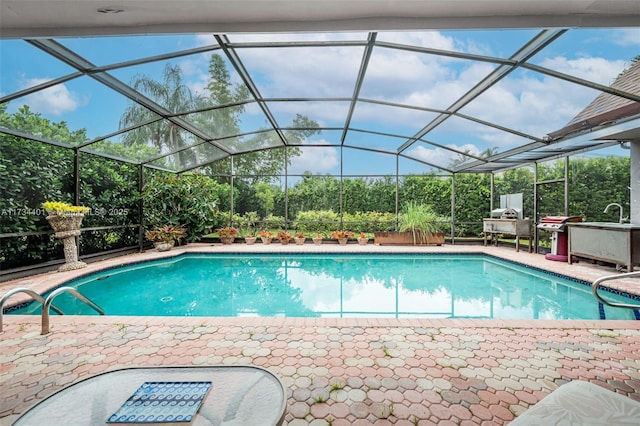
(526, 101)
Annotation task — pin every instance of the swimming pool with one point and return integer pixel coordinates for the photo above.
(335, 285)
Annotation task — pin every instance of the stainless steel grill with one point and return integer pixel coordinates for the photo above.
(506, 213)
(557, 223)
(559, 242)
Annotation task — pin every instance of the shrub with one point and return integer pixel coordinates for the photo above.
(273, 222)
(190, 200)
(247, 222)
(314, 221)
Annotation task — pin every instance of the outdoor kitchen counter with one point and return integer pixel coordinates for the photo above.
(617, 243)
(517, 227)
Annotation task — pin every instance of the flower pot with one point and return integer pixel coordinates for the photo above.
(250, 240)
(342, 241)
(363, 241)
(227, 239)
(284, 242)
(164, 245)
(265, 240)
(300, 240)
(406, 238)
(317, 241)
(65, 223)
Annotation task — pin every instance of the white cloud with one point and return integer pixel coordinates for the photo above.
(56, 100)
(627, 37)
(315, 159)
(326, 114)
(431, 39)
(394, 75)
(439, 156)
(537, 104)
(205, 40)
(304, 71)
(196, 75)
(598, 70)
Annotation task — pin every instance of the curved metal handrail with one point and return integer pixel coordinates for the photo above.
(57, 292)
(28, 291)
(596, 284)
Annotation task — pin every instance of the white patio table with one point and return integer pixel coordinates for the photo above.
(240, 395)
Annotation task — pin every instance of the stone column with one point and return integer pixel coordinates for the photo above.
(70, 251)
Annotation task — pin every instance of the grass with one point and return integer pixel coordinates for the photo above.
(336, 386)
(319, 399)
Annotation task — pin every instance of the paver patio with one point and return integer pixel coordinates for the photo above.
(338, 371)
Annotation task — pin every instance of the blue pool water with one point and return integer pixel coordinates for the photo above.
(427, 286)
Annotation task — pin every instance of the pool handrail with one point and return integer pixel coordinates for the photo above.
(54, 294)
(596, 284)
(34, 295)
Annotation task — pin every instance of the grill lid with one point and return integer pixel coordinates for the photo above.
(509, 214)
(560, 219)
(557, 223)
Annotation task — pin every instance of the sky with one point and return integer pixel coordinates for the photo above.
(526, 101)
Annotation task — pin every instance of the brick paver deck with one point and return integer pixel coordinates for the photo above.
(338, 371)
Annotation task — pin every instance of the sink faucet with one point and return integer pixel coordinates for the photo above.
(617, 205)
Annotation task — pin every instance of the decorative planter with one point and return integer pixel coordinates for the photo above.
(67, 223)
(164, 245)
(227, 239)
(317, 241)
(363, 241)
(284, 242)
(300, 240)
(343, 241)
(266, 240)
(67, 228)
(406, 238)
(250, 240)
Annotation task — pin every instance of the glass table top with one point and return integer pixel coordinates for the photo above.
(240, 395)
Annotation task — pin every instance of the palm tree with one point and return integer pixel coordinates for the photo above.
(171, 93)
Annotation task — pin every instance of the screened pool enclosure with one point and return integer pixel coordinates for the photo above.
(290, 122)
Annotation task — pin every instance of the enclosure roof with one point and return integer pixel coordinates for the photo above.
(454, 86)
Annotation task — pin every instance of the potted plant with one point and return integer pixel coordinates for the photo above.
(363, 240)
(284, 237)
(250, 239)
(165, 237)
(342, 236)
(300, 238)
(317, 238)
(247, 223)
(266, 236)
(227, 234)
(418, 225)
(65, 219)
(62, 209)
